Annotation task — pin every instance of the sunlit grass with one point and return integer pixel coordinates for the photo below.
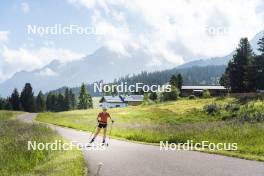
(16, 159)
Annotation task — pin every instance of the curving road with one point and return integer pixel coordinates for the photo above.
(130, 159)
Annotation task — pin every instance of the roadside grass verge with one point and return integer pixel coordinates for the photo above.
(6, 115)
(180, 121)
(16, 159)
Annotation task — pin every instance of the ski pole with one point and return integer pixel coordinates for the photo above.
(110, 132)
(93, 131)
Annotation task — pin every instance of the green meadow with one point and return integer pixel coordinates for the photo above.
(217, 120)
(16, 159)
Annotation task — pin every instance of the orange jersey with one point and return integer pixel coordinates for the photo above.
(103, 116)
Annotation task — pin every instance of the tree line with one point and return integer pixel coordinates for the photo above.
(245, 72)
(55, 102)
(196, 75)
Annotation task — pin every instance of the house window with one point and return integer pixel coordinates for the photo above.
(117, 106)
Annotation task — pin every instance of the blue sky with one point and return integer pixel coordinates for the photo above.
(15, 20)
(178, 31)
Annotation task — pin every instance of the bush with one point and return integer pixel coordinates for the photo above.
(211, 109)
(153, 96)
(191, 97)
(206, 94)
(170, 96)
(232, 107)
(251, 118)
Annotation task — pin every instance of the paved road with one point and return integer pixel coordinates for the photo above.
(130, 159)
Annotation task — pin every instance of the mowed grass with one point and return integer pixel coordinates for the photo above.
(176, 122)
(16, 159)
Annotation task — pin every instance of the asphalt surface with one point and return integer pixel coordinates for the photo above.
(131, 159)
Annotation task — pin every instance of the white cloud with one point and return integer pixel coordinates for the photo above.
(176, 29)
(115, 38)
(4, 36)
(15, 60)
(47, 72)
(25, 8)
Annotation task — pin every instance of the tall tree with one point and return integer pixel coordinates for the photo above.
(85, 100)
(2, 103)
(27, 98)
(8, 104)
(49, 102)
(15, 101)
(67, 100)
(73, 100)
(258, 71)
(40, 102)
(54, 102)
(179, 81)
(60, 103)
(90, 101)
(261, 45)
(174, 81)
(225, 79)
(237, 71)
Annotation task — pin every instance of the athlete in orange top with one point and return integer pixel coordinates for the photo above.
(102, 120)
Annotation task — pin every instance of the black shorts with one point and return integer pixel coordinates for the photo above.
(102, 125)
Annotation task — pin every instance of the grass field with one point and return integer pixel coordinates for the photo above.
(16, 159)
(180, 121)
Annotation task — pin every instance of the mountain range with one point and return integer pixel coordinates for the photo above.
(103, 64)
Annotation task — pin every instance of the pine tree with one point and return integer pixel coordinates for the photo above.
(179, 81)
(15, 101)
(67, 100)
(54, 103)
(49, 102)
(174, 81)
(237, 72)
(27, 98)
(258, 68)
(90, 101)
(225, 80)
(73, 100)
(8, 104)
(2, 103)
(61, 103)
(40, 102)
(83, 98)
(261, 45)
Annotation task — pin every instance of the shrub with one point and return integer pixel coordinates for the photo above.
(211, 109)
(251, 118)
(153, 96)
(170, 96)
(206, 94)
(191, 97)
(232, 107)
